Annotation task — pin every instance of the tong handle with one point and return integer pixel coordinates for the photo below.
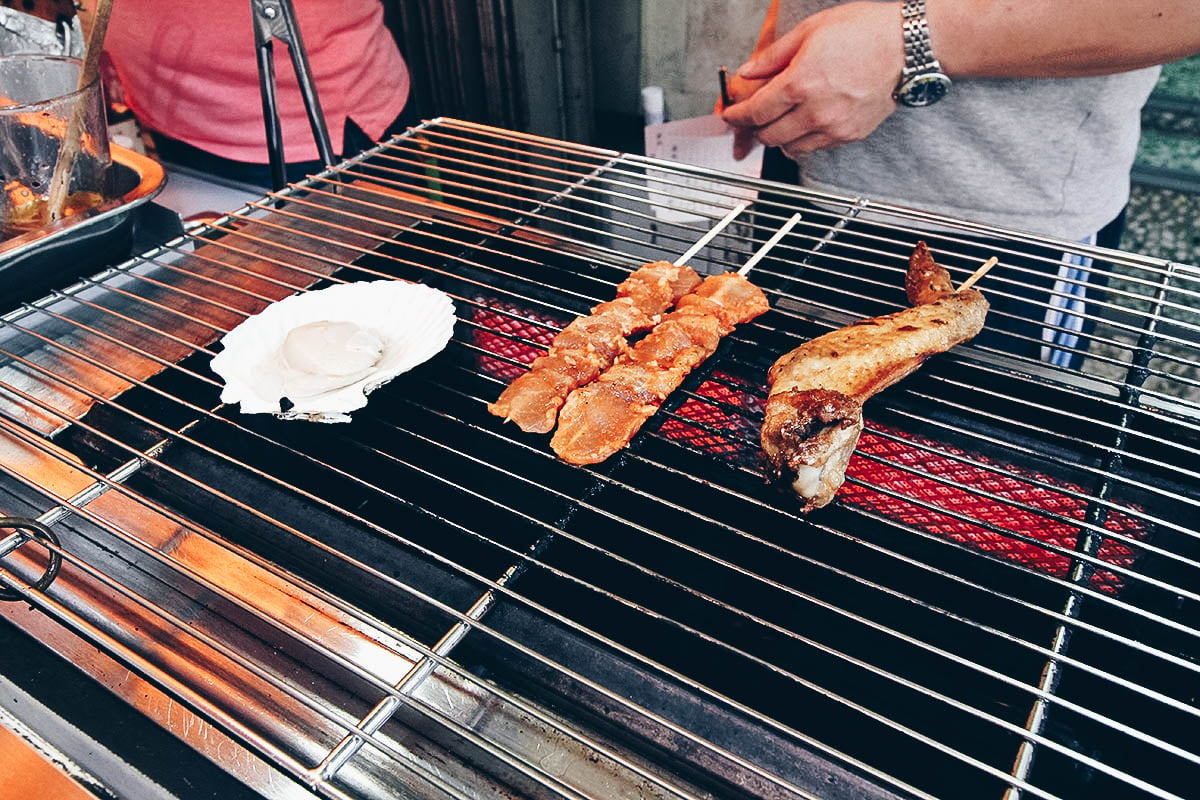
(276, 20)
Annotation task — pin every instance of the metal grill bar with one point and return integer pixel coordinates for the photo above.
(1092, 528)
(503, 226)
(432, 654)
(477, 264)
(361, 733)
(1147, 487)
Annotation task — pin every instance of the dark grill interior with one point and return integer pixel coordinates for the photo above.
(1002, 598)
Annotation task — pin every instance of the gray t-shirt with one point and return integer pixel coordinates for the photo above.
(1049, 156)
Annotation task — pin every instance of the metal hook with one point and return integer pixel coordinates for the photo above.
(36, 530)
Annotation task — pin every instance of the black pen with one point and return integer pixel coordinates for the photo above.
(722, 74)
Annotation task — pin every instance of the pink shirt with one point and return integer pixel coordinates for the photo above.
(188, 70)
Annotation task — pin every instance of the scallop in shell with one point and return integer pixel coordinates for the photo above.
(317, 355)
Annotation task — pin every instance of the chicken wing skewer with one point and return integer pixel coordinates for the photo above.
(814, 410)
(590, 344)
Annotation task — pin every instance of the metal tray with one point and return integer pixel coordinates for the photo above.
(32, 263)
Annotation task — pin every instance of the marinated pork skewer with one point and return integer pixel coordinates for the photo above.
(814, 410)
(600, 418)
(590, 344)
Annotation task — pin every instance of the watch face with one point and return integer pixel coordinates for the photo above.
(923, 90)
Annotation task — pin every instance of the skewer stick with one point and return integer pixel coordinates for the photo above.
(712, 234)
(69, 148)
(769, 244)
(979, 273)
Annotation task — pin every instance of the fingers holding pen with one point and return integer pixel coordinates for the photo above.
(825, 83)
(797, 121)
(734, 90)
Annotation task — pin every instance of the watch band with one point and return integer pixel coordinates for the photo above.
(918, 52)
(922, 82)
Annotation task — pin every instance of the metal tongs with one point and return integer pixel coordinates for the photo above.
(276, 20)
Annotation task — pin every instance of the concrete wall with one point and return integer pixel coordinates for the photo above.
(586, 61)
(685, 42)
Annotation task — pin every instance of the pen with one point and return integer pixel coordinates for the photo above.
(722, 74)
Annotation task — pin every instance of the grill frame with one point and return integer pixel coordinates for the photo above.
(480, 237)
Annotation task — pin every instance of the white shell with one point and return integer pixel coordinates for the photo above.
(326, 350)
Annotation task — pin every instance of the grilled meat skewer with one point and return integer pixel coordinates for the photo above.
(600, 418)
(814, 411)
(589, 345)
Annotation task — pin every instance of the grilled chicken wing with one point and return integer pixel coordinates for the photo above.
(814, 410)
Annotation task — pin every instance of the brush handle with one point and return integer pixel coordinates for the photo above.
(61, 181)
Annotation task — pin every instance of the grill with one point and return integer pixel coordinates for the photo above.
(425, 602)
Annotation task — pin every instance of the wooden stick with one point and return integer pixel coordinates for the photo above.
(67, 152)
(984, 268)
(770, 243)
(711, 234)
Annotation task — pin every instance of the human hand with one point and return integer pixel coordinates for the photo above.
(739, 89)
(826, 82)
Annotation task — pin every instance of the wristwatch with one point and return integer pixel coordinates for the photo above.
(922, 82)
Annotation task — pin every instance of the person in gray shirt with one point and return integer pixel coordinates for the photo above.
(1023, 116)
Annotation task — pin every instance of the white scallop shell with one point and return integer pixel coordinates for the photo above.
(326, 350)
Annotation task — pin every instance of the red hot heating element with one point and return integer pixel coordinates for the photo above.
(1007, 511)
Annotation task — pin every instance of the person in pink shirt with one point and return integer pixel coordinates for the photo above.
(187, 69)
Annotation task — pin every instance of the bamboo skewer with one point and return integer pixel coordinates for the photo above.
(61, 181)
(703, 241)
(769, 245)
(984, 268)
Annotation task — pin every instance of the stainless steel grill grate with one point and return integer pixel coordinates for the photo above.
(425, 602)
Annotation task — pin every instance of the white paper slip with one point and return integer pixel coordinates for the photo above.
(702, 142)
